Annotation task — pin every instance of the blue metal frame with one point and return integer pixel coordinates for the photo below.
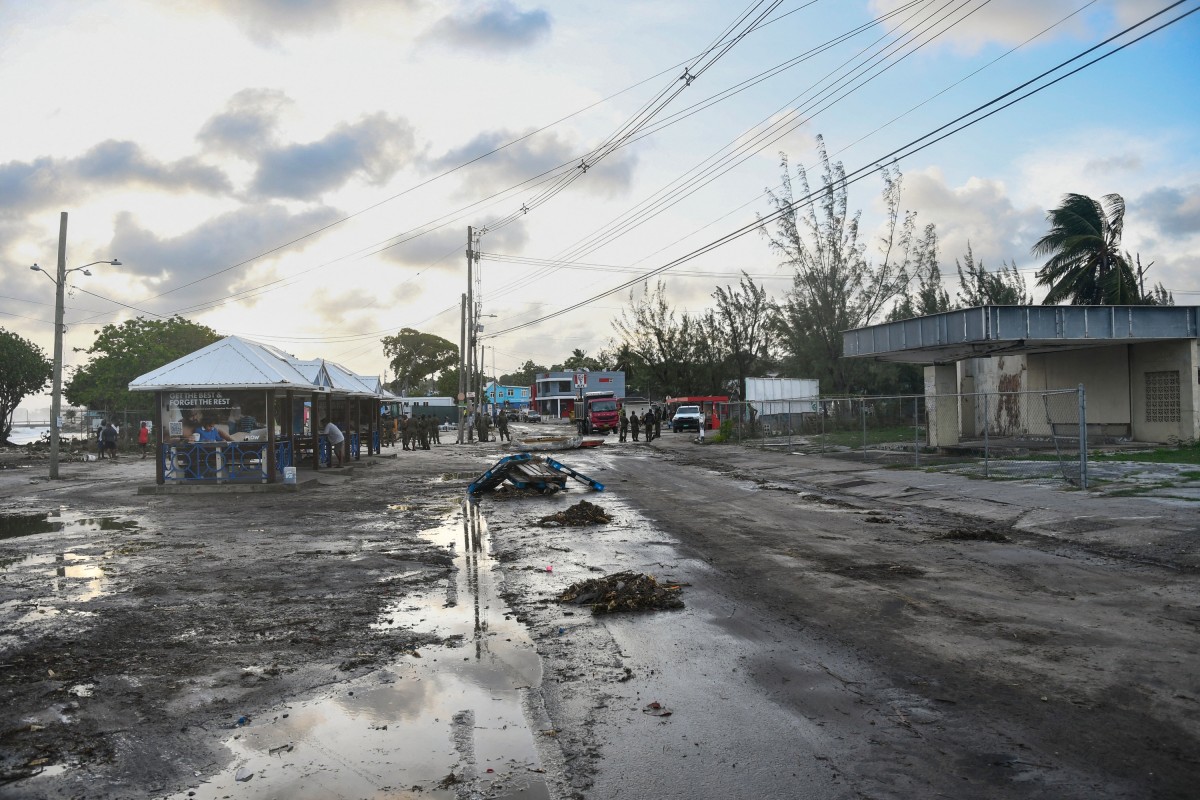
(222, 462)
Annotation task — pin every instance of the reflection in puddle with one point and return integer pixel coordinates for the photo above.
(449, 724)
(15, 525)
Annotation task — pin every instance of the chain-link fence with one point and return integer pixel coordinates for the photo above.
(993, 434)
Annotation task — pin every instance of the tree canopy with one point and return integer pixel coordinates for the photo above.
(123, 352)
(25, 370)
(979, 287)
(417, 358)
(835, 287)
(1086, 266)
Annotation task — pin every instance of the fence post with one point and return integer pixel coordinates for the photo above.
(862, 410)
(1083, 474)
(916, 432)
(986, 449)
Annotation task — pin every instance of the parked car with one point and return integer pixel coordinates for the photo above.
(687, 417)
(530, 415)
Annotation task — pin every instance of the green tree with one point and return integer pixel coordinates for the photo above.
(741, 330)
(525, 376)
(579, 359)
(928, 295)
(123, 352)
(418, 357)
(1085, 265)
(25, 370)
(668, 344)
(979, 287)
(835, 287)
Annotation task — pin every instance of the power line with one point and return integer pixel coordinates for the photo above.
(905, 151)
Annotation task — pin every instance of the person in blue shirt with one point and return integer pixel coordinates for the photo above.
(209, 432)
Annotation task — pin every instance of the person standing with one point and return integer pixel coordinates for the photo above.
(624, 424)
(648, 424)
(634, 424)
(336, 438)
(502, 427)
(406, 430)
(435, 428)
(144, 438)
(108, 440)
(658, 418)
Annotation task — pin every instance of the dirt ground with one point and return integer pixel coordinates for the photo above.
(848, 632)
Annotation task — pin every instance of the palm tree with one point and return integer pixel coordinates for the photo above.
(1086, 265)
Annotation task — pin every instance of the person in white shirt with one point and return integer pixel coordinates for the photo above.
(336, 438)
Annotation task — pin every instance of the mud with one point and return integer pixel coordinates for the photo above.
(849, 632)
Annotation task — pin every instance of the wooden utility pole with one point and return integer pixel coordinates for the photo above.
(461, 400)
(470, 321)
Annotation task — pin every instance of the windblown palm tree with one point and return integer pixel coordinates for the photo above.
(1086, 266)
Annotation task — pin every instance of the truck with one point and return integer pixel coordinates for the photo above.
(599, 412)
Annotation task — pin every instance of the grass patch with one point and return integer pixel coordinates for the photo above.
(854, 437)
(1188, 453)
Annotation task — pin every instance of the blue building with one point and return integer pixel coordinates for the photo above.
(499, 396)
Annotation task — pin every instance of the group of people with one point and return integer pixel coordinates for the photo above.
(418, 432)
(650, 423)
(108, 433)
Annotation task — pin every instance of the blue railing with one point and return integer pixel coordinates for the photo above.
(216, 462)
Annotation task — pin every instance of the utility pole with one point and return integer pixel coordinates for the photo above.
(56, 392)
(462, 368)
(470, 322)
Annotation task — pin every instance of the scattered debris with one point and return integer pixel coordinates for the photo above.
(582, 513)
(656, 709)
(971, 535)
(526, 471)
(243, 775)
(623, 591)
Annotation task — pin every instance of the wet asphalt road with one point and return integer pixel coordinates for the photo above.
(833, 643)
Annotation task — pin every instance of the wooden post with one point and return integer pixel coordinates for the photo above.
(160, 476)
(314, 419)
(358, 427)
(271, 466)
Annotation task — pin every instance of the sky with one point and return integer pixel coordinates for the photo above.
(303, 173)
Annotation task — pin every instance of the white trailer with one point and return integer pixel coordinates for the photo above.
(771, 396)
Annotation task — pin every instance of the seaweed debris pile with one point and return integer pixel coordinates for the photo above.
(623, 591)
(582, 513)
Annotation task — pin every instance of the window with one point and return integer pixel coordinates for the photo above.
(1162, 396)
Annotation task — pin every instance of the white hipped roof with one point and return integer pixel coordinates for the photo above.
(237, 363)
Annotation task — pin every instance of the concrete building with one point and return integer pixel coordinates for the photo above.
(1139, 365)
(554, 392)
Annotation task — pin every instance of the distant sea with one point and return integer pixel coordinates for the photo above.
(23, 435)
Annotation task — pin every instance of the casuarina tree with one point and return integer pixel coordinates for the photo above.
(1086, 266)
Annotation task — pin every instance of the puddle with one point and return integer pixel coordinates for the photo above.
(451, 723)
(16, 525)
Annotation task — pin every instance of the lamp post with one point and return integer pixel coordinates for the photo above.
(59, 288)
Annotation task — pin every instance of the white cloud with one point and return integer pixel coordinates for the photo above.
(374, 148)
(1014, 21)
(26, 186)
(530, 158)
(496, 25)
(980, 212)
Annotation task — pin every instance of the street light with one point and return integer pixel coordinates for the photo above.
(59, 287)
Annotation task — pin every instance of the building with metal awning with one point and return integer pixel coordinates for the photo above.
(265, 405)
(1139, 365)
